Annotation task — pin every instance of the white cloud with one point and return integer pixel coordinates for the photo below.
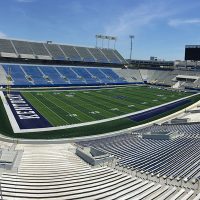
(3, 35)
(134, 19)
(179, 22)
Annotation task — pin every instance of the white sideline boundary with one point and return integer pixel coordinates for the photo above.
(9, 112)
(16, 128)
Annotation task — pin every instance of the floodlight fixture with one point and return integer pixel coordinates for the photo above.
(107, 38)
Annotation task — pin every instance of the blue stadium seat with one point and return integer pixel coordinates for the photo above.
(17, 74)
(86, 75)
(71, 75)
(53, 75)
(98, 74)
(35, 74)
(113, 76)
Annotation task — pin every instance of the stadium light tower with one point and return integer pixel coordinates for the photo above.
(105, 37)
(131, 37)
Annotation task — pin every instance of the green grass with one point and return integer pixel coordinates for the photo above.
(84, 106)
(49, 103)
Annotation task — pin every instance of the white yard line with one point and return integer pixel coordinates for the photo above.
(48, 109)
(65, 110)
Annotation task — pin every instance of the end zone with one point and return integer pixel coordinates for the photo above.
(21, 114)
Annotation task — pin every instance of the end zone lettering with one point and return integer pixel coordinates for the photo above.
(23, 110)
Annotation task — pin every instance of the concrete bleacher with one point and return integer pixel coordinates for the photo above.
(53, 171)
(10, 157)
(130, 75)
(188, 129)
(40, 51)
(55, 51)
(7, 49)
(23, 49)
(85, 54)
(50, 51)
(162, 77)
(111, 56)
(119, 56)
(71, 53)
(171, 158)
(100, 57)
(191, 78)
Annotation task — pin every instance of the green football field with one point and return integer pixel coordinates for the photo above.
(73, 107)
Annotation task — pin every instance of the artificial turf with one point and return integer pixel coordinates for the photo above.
(73, 107)
(103, 98)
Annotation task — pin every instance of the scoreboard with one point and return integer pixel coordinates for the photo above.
(192, 52)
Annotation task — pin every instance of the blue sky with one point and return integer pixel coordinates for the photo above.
(161, 27)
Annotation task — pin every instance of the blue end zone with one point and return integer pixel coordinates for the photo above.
(151, 113)
(25, 114)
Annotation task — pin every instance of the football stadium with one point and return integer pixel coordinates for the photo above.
(87, 122)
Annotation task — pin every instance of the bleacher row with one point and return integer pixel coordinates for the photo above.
(188, 129)
(54, 172)
(161, 77)
(178, 158)
(29, 75)
(168, 77)
(48, 51)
